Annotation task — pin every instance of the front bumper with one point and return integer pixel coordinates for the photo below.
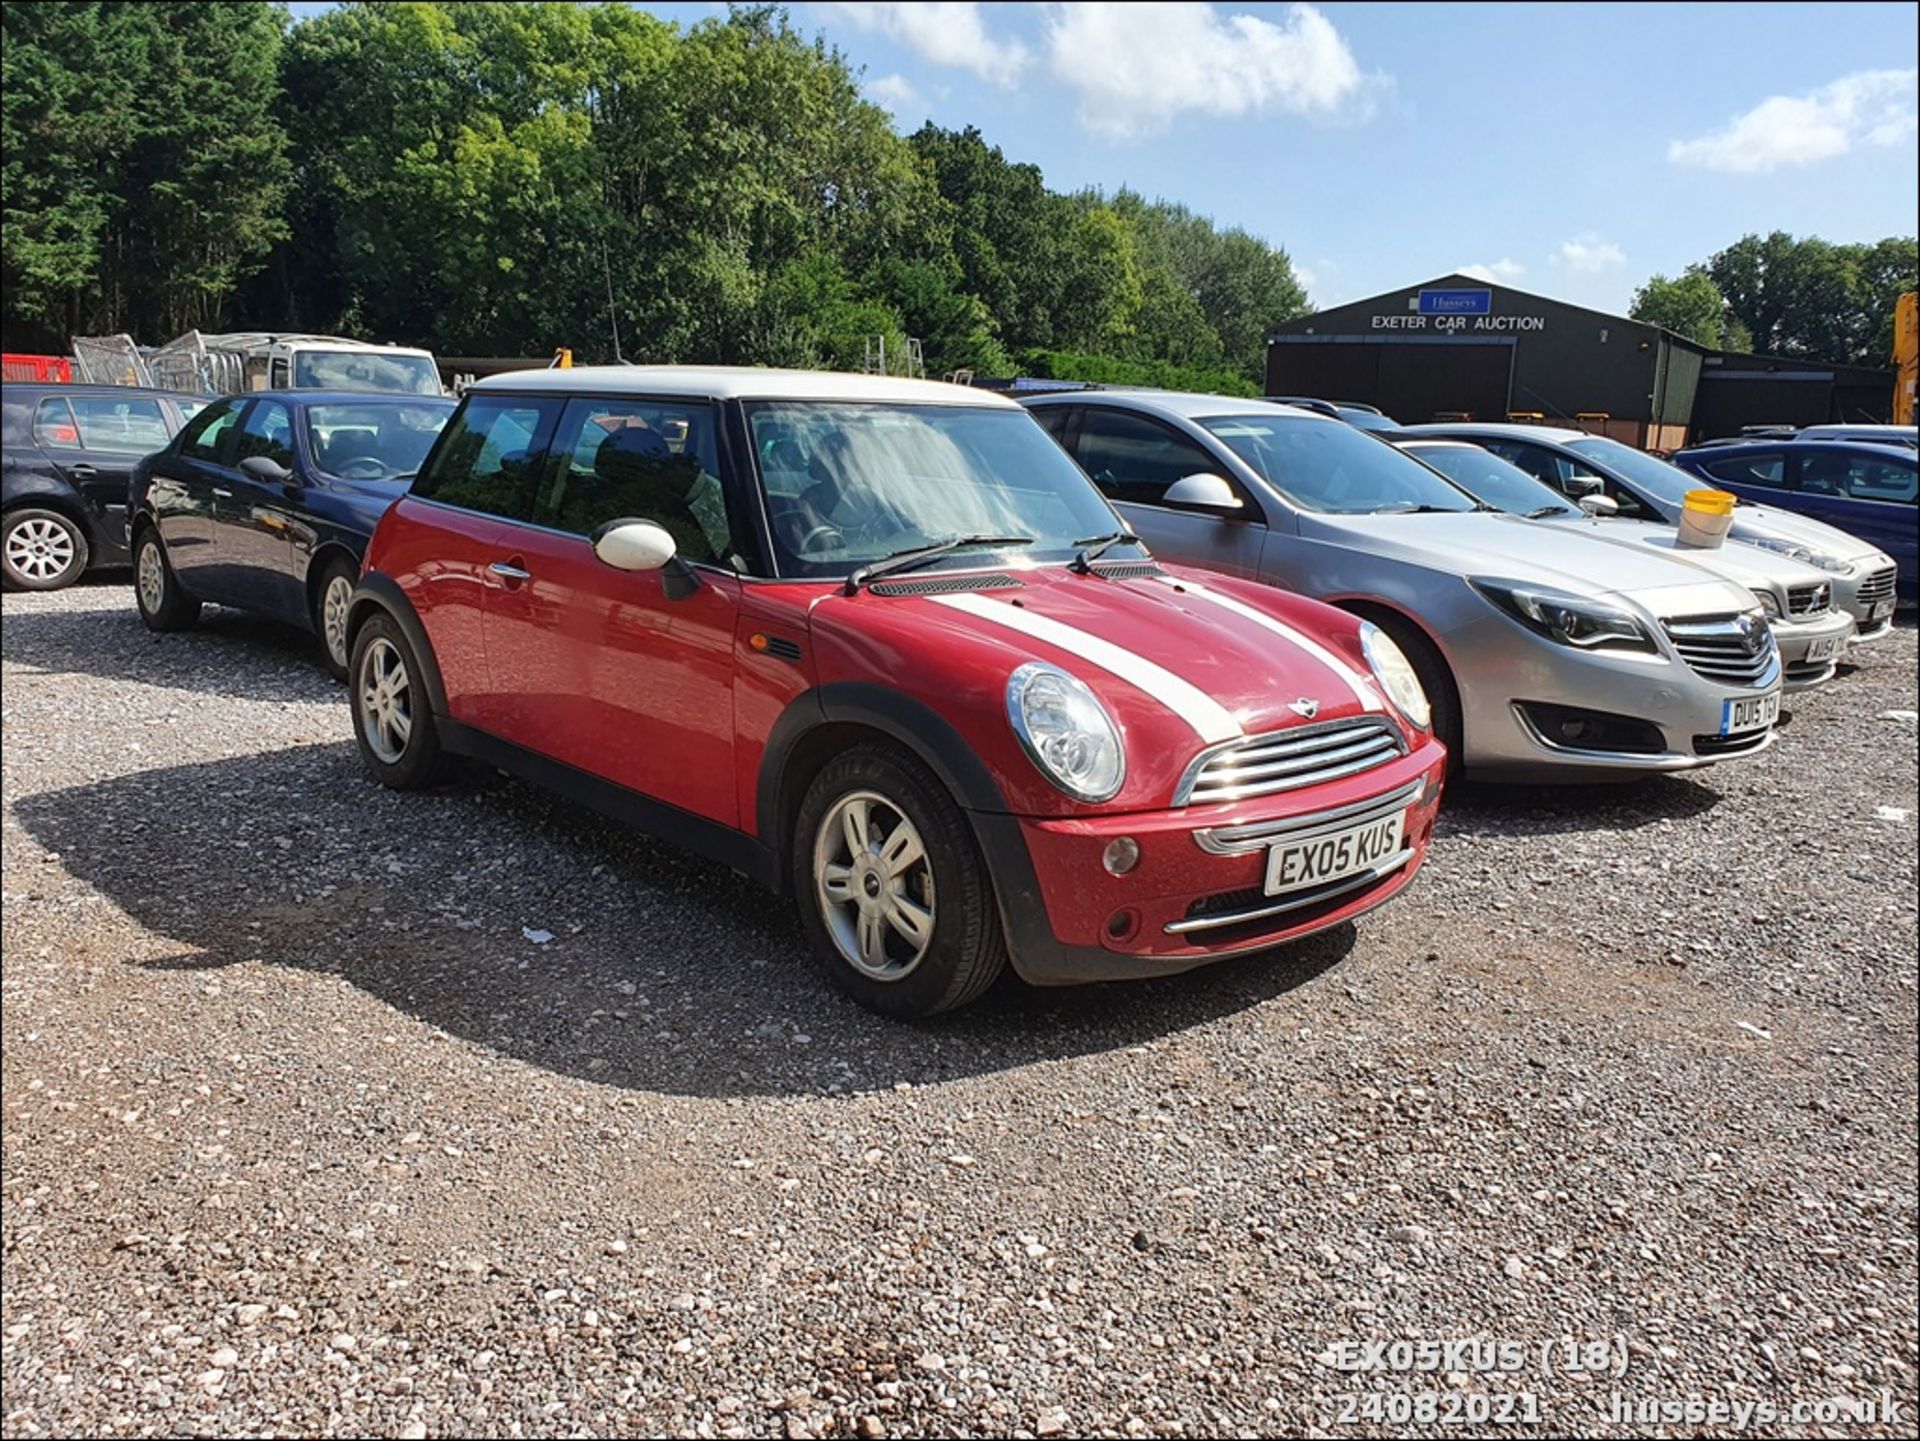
(1868, 596)
(1829, 632)
(1197, 893)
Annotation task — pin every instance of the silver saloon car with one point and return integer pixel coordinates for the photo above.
(1648, 488)
(1798, 599)
(1545, 653)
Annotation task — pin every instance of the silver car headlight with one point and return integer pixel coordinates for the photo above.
(1768, 602)
(1396, 675)
(1807, 555)
(1572, 620)
(1066, 732)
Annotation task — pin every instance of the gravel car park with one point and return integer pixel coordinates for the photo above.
(333, 1110)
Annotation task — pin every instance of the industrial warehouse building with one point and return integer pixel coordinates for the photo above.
(1457, 348)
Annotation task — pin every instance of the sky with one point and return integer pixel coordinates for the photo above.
(1572, 150)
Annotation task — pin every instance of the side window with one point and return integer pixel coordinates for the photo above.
(1768, 471)
(1054, 419)
(54, 425)
(1859, 478)
(1538, 463)
(489, 456)
(206, 434)
(651, 460)
(268, 431)
(1135, 459)
(116, 426)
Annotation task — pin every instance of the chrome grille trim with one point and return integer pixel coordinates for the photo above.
(1285, 760)
(1258, 835)
(1878, 586)
(1280, 905)
(1716, 647)
(1805, 600)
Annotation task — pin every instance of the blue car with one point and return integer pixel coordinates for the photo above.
(1867, 490)
(265, 502)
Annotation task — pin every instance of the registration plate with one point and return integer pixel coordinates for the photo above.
(1329, 858)
(1749, 713)
(1879, 611)
(1825, 648)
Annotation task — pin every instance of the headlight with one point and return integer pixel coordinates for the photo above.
(1824, 559)
(1568, 619)
(1397, 675)
(1066, 732)
(1767, 603)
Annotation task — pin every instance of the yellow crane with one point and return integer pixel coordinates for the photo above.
(1906, 355)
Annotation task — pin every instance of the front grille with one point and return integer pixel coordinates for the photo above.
(944, 585)
(1809, 599)
(1235, 917)
(1878, 586)
(1732, 648)
(1286, 760)
(1801, 672)
(1733, 745)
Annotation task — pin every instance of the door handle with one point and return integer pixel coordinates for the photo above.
(511, 574)
(83, 472)
(223, 494)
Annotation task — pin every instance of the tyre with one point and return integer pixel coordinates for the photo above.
(392, 718)
(41, 550)
(332, 608)
(156, 589)
(891, 887)
(1436, 679)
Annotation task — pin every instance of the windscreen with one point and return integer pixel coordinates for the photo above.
(1331, 467)
(1663, 482)
(373, 440)
(1487, 477)
(365, 370)
(850, 483)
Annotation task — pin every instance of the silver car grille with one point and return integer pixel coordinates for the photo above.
(1878, 586)
(1803, 600)
(1289, 759)
(1734, 648)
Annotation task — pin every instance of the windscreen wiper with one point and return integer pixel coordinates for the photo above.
(1095, 546)
(919, 555)
(1431, 509)
(1547, 510)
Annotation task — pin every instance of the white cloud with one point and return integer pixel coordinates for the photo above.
(896, 93)
(1590, 255)
(1501, 272)
(1871, 107)
(1136, 66)
(943, 31)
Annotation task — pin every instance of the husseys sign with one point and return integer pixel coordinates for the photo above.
(1446, 311)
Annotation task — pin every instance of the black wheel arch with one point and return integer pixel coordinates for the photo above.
(324, 555)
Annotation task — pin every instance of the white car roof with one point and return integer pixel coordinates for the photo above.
(1558, 433)
(1175, 402)
(741, 382)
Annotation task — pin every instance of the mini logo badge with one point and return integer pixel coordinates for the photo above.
(1304, 708)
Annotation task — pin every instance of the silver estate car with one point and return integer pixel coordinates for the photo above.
(1798, 599)
(1646, 488)
(1546, 653)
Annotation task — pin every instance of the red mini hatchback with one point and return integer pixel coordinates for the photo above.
(879, 643)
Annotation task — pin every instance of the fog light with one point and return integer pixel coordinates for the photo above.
(1121, 925)
(1121, 856)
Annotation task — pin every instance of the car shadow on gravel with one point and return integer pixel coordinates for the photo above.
(1478, 809)
(228, 653)
(645, 968)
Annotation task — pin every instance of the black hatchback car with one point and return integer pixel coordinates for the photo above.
(265, 502)
(68, 451)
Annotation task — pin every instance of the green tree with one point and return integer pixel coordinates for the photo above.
(1690, 305)
(1806, 296)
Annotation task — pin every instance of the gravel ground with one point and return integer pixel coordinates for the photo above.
(304, 1133)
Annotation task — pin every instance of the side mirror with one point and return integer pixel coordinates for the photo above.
(265, 469)
(641, 545)
(1204, 492)
(1598, 505)
(1579, 487)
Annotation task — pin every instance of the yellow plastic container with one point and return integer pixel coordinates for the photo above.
(1705, 518)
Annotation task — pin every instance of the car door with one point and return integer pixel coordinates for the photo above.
(1134, 458)
(1570, 477)
(257, 523)
(604, 669)
(1865, 493)
(1759, 475)
(181, 494)
(93, 440)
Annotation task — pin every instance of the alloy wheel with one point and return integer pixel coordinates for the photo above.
(386, 701)
(150, 576)
(875, 885)
(334, 607)
(39, 549)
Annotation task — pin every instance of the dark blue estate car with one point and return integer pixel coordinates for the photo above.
(1866, 490)
(266, 502)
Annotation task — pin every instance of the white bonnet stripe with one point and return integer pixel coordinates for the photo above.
(1362, 688)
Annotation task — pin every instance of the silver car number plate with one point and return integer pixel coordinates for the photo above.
(1749, 713)
(1879, 611)
(1825, 648)
(1331, 857)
